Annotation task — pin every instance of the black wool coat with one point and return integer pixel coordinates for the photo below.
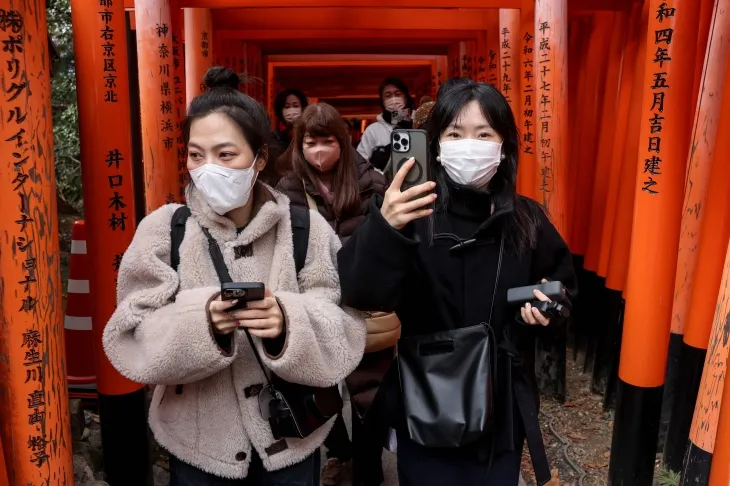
(434, 287)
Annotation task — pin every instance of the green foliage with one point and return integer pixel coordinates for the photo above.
(65, 110)
(665, 477)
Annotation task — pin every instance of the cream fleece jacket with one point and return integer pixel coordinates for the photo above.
(160, 333)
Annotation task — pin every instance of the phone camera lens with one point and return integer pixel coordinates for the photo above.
(396, 146)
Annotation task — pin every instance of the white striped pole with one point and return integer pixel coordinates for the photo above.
(80, 358)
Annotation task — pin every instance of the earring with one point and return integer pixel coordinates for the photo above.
(503, 157)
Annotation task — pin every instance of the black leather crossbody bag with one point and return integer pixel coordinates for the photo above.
(447, 382)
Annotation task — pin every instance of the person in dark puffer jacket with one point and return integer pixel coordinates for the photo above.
(329, 174)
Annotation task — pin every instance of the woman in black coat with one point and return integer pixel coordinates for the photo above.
(435, 260)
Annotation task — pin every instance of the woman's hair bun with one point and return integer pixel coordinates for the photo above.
(221, 77)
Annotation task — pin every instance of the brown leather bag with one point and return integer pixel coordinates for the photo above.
(383, 331)
(383, 327)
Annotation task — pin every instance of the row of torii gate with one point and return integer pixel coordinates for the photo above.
(605, 147)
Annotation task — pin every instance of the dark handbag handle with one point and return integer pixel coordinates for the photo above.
(225, 277)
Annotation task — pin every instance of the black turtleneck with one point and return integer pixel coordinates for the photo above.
(468, 213)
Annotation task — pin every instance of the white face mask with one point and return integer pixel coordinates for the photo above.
(395, 103)
(291, 114)
(470, 162)
(224, 189)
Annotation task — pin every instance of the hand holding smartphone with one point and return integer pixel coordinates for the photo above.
(410, 195)
(243, 293)
(255, 308)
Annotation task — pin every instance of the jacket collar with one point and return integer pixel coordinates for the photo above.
(269, 207)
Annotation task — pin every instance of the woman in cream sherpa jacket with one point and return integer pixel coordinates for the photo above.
(161, 334)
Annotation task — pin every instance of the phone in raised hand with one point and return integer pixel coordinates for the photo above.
(406, 144)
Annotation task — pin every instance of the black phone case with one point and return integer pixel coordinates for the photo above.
(404, 144)
(252, 291)
(553, 290)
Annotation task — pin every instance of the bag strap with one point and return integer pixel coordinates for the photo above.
(496, 280)
(225, 277)
(300, 234)
(310, 200)
(177, 234)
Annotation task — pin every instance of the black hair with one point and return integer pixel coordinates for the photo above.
(450, 84)
(224, 97)
(522, 222)
(398, 83)
(280, 102)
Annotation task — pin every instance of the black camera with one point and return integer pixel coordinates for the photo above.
(558, 308)
(294, 410)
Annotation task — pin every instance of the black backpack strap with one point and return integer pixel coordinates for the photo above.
(177, 234)
(300, 234)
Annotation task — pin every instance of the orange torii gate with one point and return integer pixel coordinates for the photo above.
(34, 414)
(605, 220)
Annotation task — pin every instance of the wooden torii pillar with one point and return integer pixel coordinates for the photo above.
(157, 102)
(527, 170)
(694, 297)
(198, 49)
(550, 72)
(102, 82)
(663, 143)
(34, 415)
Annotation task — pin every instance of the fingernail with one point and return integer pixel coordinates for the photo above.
(534, 291)
(234, 302)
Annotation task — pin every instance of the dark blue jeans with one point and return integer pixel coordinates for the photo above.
(305, 473)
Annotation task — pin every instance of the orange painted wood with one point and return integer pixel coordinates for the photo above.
(454, 66)
(706, 9)
(661, 165)
(473, 66)
(343, 18)
(493, 42)
(622, 228)
(509, 59)
(720, 472)
(575, 5)
(700, 156)
(551, 59)
(703, 433)
(198, 50)
(3, 469)
(442, 73)
(714, 215)
(589, 126)
(598, 198)
(401, 36)
(579, 33)
(157, 101)
(106, 166)
(34, 415)
(463, 60)
(178, 62)
(527, 166)
(628, 73)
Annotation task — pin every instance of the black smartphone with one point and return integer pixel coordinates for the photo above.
(245, 292)
(519, 296)
(410, 143)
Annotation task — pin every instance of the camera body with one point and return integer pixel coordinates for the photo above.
(555, 291)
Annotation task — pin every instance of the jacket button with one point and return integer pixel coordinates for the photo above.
(241, 456)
